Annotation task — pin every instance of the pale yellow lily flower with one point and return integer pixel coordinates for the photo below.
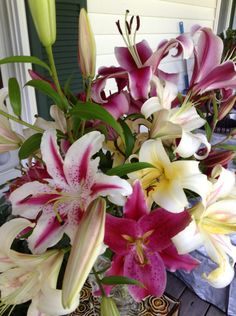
(164, 184)
(86, 247)
(9, 140)
(211, 223)
(44, 17)
(27, 277)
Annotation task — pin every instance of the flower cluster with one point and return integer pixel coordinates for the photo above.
(133, 175)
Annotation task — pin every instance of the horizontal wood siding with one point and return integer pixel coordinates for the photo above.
(159, 20)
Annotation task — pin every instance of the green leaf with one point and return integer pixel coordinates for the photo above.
(129, 139)
(226, 146)
(25, 59)
(92, 111)
(114, 279)
(45, 87)
(128, 167)
(14, 96)
(30, 146)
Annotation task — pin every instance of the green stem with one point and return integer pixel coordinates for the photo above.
(88, 92)
(15, 119)
(54, 74)
(53, 69)
(88, 97)
(215, 117)
(99, 282)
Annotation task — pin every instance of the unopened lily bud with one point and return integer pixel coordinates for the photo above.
(44, 17)
(108, 307)
(218, 157)
(226, 107)
(87, 46)
(86, 247)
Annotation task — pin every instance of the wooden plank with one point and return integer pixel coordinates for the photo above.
(104, 24)
(214, 311)
(191, 304)
(174, 287)
(150, 8)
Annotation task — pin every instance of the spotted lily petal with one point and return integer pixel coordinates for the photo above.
(152, 275)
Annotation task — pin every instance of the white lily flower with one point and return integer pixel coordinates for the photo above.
(175, 123)
(27, 277)
(211, 222)
(164, 183)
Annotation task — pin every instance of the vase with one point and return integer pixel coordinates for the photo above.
(160, 306)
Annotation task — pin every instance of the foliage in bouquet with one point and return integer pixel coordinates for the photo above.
(132, 175)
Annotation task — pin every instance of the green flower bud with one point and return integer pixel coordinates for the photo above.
(44, 17)
(108, 307)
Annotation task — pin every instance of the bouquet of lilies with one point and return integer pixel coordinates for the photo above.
(133, 175)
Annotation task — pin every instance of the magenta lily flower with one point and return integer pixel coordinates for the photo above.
(59, 202)
(142, 245)
(209, 72)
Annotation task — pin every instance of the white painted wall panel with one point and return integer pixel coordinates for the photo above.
(202, 3)
(151, 8)
(159, 20)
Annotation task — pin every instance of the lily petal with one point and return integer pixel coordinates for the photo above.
(10, 230)
(116, 229)
(224, 184)
(78, 166)
(139, 82)
(152, 275)
(136, 206)
(188, 240)
(207, 53)
(52, 157)
(47, 232)
(224, 274)
(28, 199)
(171, 196)
(162, 225)
(112, 186)
(174, 261)
(126, 61)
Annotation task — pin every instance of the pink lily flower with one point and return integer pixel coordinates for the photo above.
(142, 245)
(209, 72)
(138, 78)
(59, 202)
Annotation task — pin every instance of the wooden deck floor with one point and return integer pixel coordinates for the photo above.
(190, 303)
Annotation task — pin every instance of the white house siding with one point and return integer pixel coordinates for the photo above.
(159, 20)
